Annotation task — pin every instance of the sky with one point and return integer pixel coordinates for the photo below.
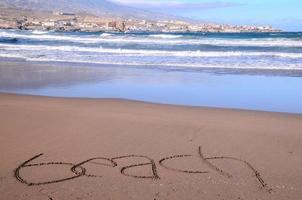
(283, 14)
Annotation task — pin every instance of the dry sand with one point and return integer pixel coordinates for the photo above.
(117, 149)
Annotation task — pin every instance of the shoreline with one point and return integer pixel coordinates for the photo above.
(247, 91)
(288, 72)
(124, 100)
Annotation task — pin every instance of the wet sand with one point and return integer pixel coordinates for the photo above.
(69, 149)
(180, 87)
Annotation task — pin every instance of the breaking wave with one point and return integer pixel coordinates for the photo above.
(163, 39)
(142, 52)
(200, 50)
(39, 32)
(166, 36)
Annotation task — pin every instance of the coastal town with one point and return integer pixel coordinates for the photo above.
(63, 21)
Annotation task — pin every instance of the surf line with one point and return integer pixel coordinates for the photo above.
(78, 170)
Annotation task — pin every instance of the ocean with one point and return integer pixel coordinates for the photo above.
(254, 71)
(194, 51)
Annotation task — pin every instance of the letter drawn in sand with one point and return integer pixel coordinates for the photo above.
(161, 162)
(93, 161)
(26, 164)
(79, 170)
(223, 173)
(150, 163)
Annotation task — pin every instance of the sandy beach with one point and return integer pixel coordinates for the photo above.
(69, 149)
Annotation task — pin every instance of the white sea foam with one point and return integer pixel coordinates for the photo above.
(50, 37)
(87, 49)
(141, 52)
(39, 32)
(106, 35)
(10, 55)
(172, 65)
(113, 60)
(166, 36)
(122, 39)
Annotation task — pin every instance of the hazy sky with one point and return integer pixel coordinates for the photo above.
(285, 14)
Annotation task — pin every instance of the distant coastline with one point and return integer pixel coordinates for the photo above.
(11, 18)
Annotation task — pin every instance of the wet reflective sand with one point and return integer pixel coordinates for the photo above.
(227, 90)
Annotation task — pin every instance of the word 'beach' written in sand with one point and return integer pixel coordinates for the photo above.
(78, 170)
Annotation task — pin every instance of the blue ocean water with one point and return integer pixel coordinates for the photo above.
(270, 51)
(255, 71)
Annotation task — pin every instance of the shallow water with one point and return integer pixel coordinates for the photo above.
(197, 88)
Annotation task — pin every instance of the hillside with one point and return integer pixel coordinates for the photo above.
(95, 7)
